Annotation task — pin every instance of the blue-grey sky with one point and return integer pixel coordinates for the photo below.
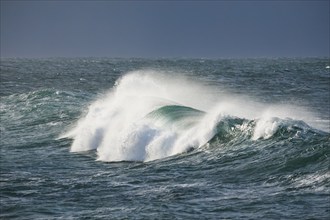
(208, 29)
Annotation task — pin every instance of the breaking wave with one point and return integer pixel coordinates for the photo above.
(149, 115)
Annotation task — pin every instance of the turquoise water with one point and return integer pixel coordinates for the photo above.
(107, 138)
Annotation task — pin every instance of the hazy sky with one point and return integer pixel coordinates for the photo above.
(209, 29)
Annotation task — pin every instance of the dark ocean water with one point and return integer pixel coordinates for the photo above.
(100, 138)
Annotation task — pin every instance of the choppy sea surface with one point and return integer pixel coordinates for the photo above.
(101, 138)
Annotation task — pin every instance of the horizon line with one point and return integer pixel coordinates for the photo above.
(165, 57)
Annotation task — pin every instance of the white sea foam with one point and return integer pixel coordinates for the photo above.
(312, 182)
(117, 127)
(265, 128)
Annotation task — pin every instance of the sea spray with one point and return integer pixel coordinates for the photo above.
(122, 125)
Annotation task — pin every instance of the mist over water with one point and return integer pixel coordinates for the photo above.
(182, 138)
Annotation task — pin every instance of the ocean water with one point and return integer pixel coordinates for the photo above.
(101, 138)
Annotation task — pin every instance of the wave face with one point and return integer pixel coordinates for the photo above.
(148, 116)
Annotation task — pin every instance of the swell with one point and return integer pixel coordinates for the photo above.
(294, 156)
(29, 119)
